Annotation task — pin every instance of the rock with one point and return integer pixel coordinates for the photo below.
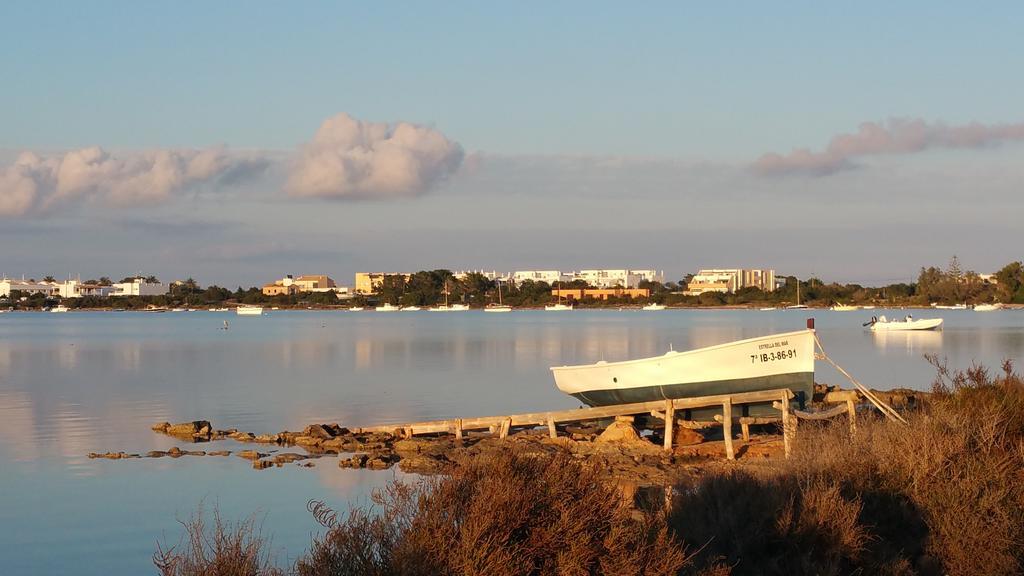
(265, 438)
(421, 464)
(686, 436)
(288, 457)
(381, 461)
(318, 431)
(250, 454)
(161, 427)
(333, 444)
(242, 436)
(356, 461)
(219, 453)
(307, 440)
(174, 452)
(431, 446)
(156, 454)
(197, 427)
(307, 464)
(619, 432)
(110, 455)
(261, 464)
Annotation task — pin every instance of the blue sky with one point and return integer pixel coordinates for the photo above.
(582, 135)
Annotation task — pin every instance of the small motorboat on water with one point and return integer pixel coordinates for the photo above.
(249, 310)
(558, 307)
(387, 308)
(763, 363)
(356, 309)
(987, 307)
(654, 307)
(59, 308)
(844, 308)
(881, 323)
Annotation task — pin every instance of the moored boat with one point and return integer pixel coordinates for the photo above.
(654, 307)
(249, 310)
(59, 308)
(763, 363)
(497, 308)
(356, 309)
(987, 307)
(882, 323)
(386, 307)
(558, 307)
(844, 308)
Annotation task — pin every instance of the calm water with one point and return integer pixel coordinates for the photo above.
(80, 382)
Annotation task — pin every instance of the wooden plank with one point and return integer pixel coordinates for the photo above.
(745, 430)
(552, 429)
(506, 426)
(670, 423)
(458, 430)
(823, 415)
(787, 430)
(841, 396)
(582, 414)
(727, 429)
(851, 410)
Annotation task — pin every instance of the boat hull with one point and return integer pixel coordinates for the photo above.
(895, 326)
(764, 363)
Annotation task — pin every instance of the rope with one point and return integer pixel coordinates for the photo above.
(884, 408)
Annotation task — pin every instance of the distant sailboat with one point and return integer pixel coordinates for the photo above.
(798, 305)
(499, 307)
(558, 306)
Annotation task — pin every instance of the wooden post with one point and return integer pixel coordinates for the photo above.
(506, 425)
(745, 430)
(851, 409)
(727, 428)
(670, 423)
(458, 431)
(408, 431)
(787, 430)
(552, 429)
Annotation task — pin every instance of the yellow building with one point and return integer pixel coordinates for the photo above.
(276, 289)
(600, 293)
(317, 283)
(367, 282)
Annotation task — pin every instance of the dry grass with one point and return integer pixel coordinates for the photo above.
(227, 550)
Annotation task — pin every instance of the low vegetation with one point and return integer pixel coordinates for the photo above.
(940, 495)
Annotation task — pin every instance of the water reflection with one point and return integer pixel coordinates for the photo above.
(910, 342)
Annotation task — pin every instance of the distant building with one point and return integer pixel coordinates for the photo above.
(989, 279)
(730, 280)
(368, 282)
(26, 287)
(600, 293)
(611, 278)
(75, 289)
(138, 287)
(549, 276)
(291, 285)
(492, 275)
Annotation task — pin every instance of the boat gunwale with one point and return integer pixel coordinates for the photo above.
(670, 354)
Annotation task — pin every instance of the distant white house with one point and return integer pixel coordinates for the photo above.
(27, 287)
(138, 287)
(549, 276)
(625, 278)
(75, 289)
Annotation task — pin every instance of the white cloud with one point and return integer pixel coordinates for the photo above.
(897, 136)
(36, 185)
(357, 160)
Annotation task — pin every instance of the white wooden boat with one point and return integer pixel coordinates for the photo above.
(763, 363)
(249, 310)
(987, 307)
(844, 308)
(882, 323)
(497, 308)
(654, 307)
(386, 307)
(59, 308)
(558, 307)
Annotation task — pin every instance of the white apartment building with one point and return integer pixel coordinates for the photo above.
(75, 289)
(138, 287)
(26, 287)
(730, 280)
(549, 276)
(625, 278)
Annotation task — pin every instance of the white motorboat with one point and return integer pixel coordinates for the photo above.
(249, 310)
(953, 307)
(558, 307)
(768, 308)
(356, 309)
(987, 307)
(386, 307)
(844, 308)
(762, 363)
(409, 309)
(59, 308)
(882, 323)
(654, 307)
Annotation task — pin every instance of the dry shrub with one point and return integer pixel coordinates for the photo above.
(504, 513)
(944, 492)
(230, 550)
(770, 525)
